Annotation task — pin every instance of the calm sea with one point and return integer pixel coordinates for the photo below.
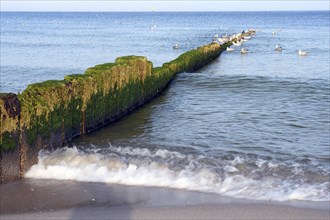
(247, 126)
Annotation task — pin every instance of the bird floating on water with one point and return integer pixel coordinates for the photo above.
(244, 50)
(153, 27)
(278, 47)
(176, 46)
(302, 53)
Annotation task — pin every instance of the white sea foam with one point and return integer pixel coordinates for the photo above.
(164, 168)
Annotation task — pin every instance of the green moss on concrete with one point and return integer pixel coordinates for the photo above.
(8, 142)
(81, 103)
(42, 104)
(74, 116)
(9, 121)
(101, 68)
(109, 90)
(194, 59)
(10, 111)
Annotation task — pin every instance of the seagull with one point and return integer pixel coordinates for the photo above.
(153, 27)
(215, 40)
(302, 53)
(244, 50)
(230, 49)
(278, 47)
(176, 46)
(237, 43)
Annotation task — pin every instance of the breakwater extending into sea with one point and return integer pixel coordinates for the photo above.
(249, 125)
(47, 115)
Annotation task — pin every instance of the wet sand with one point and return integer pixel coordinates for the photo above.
(53, 199)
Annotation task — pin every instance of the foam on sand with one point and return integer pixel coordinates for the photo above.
(164, 168)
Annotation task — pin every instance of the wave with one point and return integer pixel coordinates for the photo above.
(237, 177)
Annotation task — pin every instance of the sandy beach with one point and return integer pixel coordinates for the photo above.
(53, 199)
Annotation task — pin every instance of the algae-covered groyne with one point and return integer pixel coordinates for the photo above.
(48, 114)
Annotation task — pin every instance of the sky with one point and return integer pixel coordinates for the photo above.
(164, 5)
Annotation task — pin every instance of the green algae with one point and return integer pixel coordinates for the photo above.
(9, 121)
(42, 107)
(8, 142)
(82, 103)
(55, 111)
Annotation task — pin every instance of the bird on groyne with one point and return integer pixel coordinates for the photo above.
(215, 40)
(230, 49)
(237, 43)
(302, 53)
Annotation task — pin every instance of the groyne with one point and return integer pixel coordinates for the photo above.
(49, 114)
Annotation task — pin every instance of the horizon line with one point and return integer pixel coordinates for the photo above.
(172, 11)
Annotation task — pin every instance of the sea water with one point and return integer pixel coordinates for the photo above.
(247, 126)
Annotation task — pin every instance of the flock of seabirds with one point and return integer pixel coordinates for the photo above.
(226, 38)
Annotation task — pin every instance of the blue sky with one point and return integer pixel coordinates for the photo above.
(164, 5)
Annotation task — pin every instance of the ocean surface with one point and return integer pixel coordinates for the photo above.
(253, 126)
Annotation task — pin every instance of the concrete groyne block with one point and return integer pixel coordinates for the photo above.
(49, 114)
(9, 137)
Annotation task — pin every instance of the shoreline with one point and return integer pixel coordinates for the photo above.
(53, 112)
(54, 199)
